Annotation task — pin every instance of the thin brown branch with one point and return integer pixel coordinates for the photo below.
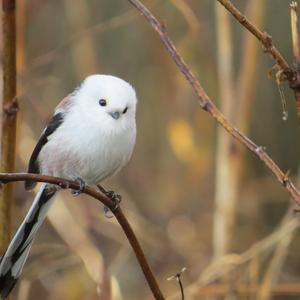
(177, 276)
(63, 183)
(292, 75)
(207, 104)
(8, 115)
(263, 37)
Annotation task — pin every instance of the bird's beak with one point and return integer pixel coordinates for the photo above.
(116, 115)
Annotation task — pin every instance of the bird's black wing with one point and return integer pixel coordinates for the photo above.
(33, 167)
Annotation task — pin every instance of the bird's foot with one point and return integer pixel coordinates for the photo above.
(113, 196)
(116, 198)
(82, 186)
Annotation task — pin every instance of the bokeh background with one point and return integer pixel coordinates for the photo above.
(194, 197)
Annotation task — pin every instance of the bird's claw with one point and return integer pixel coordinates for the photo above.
(113, 196)
(116, 198)
(82, 186)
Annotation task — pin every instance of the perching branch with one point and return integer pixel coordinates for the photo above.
(68, 184)
(207, 104)
(8, 112)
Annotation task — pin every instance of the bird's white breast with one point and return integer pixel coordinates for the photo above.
(87, 150)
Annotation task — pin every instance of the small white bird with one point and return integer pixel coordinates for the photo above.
(90, 137)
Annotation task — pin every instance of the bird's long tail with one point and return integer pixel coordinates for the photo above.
(12, 262)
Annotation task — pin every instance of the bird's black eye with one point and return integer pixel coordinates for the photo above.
(125, 110)
(102, 102)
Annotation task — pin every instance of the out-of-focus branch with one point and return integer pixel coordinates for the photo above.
(207, 104)
(281, 251)
(188, 14)
(245, 86)
(111, 24)
(78, 16)
(8, 116)
(272, 275)
(226, 191)
(295, 34)
(63, 183)
(247, 76)
(281, 290)
(218, 269)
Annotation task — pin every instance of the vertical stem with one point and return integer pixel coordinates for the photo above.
(229, 154)
(295, 35)
(246, 83)
(247, 76)
(296, 53)
(225, 188)
(8, 116)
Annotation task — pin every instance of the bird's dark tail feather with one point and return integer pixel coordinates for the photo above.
(12, 262)
(7, 283)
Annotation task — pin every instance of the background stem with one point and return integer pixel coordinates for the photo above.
(9, 109)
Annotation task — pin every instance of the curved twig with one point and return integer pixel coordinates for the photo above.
(207, 104)
(65, 184)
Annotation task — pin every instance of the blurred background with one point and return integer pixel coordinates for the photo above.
(194, 197)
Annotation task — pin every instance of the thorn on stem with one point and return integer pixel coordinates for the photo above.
(206, 106)
(285, 178)
(260, 149)
(268, 43)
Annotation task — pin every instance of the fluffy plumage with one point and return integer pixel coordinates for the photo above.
(88, 142)
(90, 137)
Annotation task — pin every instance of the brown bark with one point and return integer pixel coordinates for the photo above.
(8, 116)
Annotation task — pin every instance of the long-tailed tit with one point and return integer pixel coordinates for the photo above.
(89, 138)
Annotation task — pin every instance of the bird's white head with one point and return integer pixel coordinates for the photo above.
(107, 100)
